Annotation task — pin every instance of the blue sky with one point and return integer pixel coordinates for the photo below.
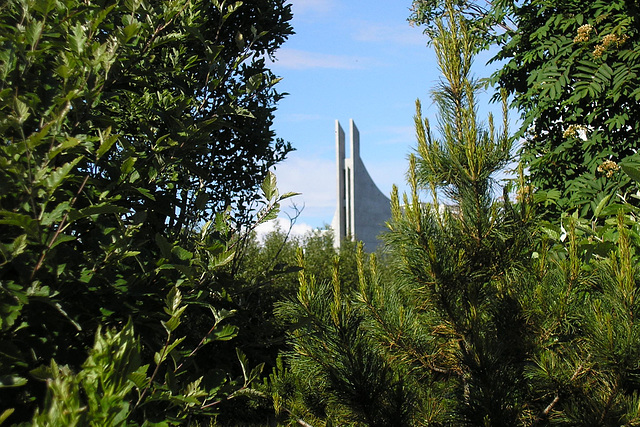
(350, 59)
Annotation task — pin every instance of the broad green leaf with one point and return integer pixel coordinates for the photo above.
(146, 193)
(174, 321)
(220, 315)
(222, 259)
(106, 142)
(164, 245)
(269, 186)
(33, 33)
(19, 245)
(25, 222)
(100, 17)
(632, 171)
(96, 210)
(552, 231)
(61, 238)
(77, 39)
(68, 143)
(601, 205)
(36, 139)
(254, 82)
(271, 213)
(22, 111)
(127, 165)
(181, 253)
(58, 175)
(289, 194)
(42, 372)
(187, 271)
(139, 377)
(55, 215)
(174, 344)
(173, 300)
(6, 414)
(614, 208)
(161, 355)
(12, 381)
(225, 333)
(10, 311)
(130, 30)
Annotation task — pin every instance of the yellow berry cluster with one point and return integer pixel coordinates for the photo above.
(608, 168)
(583, 33)
(573, 131)
(607, 42)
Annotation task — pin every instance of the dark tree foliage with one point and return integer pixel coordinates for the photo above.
(125, 125)
(573, 71)
(269, 274)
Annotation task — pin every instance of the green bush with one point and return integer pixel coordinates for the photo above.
(126, 125)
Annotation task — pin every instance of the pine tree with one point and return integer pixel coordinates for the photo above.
(338, 374)
(462, 259)
(583, 310)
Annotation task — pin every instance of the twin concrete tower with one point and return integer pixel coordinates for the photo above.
(362, 209)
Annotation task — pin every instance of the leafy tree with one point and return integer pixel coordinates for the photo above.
(492, 316)
(270, 279)
(573, 68)
(125, 126)
(269, 274)
(572, 72)
(582, 309)
(490, 21)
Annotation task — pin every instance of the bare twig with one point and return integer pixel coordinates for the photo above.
(545, 413)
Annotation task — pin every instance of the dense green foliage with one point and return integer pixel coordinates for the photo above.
(337, 373)
(268, 274)
(459, 262)
(439, 342)
(124, 126)
(489, 21)
(573, 69)
(125, 299)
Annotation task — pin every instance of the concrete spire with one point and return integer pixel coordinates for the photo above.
(362, 208)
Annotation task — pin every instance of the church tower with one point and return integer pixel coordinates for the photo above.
(362, 209)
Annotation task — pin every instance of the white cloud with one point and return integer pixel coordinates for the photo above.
(315, 180)
(303, 60)
(297, 230)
